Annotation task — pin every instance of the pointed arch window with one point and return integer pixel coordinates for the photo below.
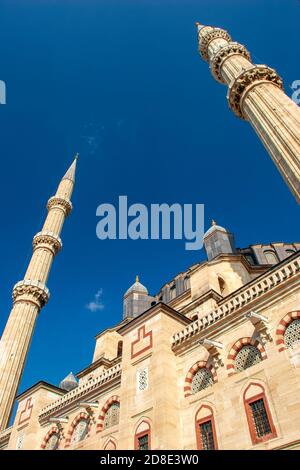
(80, 431)
(205, 429)
(112, 415)
(142, 438)
(53, 442)
(258, 414)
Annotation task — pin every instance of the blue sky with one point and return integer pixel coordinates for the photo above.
(122, 83)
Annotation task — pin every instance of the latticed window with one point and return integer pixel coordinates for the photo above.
(207, 435)
(247, 357)
(53, 441)
(260, 418)
(202, 379)
(142, 379)
(81, 430)
(143, 442)
(292, 334)
(112, 415)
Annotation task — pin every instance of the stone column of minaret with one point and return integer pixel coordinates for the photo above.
(31, 294)
(255, 93)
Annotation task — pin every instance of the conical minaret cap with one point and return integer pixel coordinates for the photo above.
(69, 382)
(70, 174)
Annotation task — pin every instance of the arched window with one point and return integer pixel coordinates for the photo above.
(292, 334)
(120, 348)
(202, 379)
(222, 285)
(271, 257)
(258, 414)
(80, 431)
(186, 283)
(142, 438)
(247, 357)
(290, 252)
(172, 292)
(53, 442)
(205, 429)
(112, 415)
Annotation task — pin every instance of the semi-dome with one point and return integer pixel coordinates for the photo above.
(69, 382)
(137, 287)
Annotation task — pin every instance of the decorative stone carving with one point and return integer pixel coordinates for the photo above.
(31, 291)
(60, 203)
(209, 36)
(233, 48)
(48, 238)
(242, 84)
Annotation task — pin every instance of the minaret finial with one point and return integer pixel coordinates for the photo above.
(137, 279)
(213, 222)
(70, 174)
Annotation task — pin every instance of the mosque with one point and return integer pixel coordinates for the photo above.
(211, 361)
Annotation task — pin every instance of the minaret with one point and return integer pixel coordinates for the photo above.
(31, 294)
(255, 93)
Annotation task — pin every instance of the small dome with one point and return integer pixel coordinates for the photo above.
(137, 287)
(214, 227)
(69, 382)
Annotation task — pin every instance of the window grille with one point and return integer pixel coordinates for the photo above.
(260, 418)
(247, 357)
(143, 442)
(201, 380)
(81, 430)
(292, 334)
(207, 435)
(112, 415)
(52, 443)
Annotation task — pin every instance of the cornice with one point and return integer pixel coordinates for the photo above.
(151, 312)
(279, 276)
(75, 396)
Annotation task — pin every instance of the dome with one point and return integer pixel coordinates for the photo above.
(214, 227)
(137, 287)
(69, 382)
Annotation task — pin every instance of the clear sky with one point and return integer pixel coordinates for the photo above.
(122, 83)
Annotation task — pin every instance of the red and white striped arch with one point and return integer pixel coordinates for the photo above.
(238, 346)
(192, 371)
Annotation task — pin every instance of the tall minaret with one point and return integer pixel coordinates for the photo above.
(255, 94)
(31, 294)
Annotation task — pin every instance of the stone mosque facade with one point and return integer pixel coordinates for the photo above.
(212, 361)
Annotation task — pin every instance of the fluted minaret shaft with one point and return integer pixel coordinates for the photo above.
(31, 294)
(255, 93)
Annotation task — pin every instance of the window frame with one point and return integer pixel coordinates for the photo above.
(256, 439)
(198, 422)
(142, 434)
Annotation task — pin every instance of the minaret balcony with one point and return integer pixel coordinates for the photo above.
(31, 291)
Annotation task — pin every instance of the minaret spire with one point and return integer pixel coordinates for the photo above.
(31, 294)
(255, 94)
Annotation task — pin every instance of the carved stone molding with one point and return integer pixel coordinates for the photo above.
(31, 291)
(209, 36)
(244, 82)
(233, 48)
(49, 239)
(60, 203)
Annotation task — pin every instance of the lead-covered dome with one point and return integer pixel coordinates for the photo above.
(69, 382)
(137, 287)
